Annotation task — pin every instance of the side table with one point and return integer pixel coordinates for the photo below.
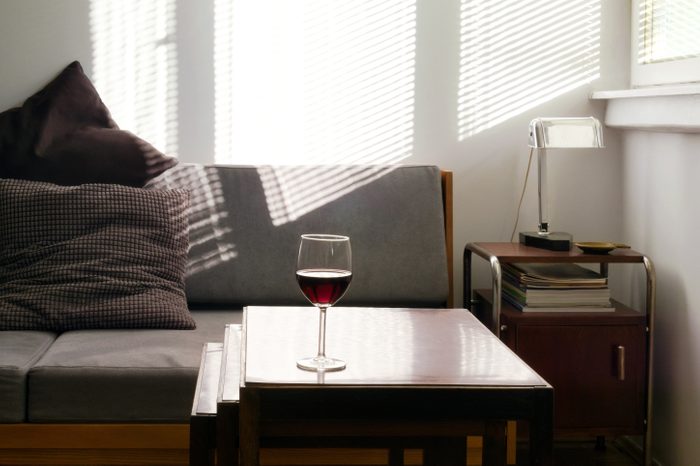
(203, 415)
(557, 327)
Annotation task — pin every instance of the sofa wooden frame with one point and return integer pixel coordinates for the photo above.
(135, 443)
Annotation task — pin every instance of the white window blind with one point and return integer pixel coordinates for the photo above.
(666, 41)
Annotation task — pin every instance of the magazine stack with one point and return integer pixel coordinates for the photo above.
(555, 288)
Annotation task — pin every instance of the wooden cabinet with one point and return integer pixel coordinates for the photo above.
(599, 363)
(596, 363)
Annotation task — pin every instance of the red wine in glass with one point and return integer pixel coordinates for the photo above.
(323, 287)
(324, 272)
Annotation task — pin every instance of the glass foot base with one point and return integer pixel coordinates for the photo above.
(317, 364)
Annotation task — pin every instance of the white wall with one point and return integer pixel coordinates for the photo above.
(38, 38)
(662, 218)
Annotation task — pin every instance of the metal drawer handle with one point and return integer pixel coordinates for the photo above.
(620, 363)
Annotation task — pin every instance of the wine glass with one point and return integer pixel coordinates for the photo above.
(324, 271)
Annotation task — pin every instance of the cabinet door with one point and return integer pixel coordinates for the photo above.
(592, 390)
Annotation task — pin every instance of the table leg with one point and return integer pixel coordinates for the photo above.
(227, 434)
(494, 450)
(445, 451)
(249, 427)
(542, 429)
(202, 443)
(395, 456)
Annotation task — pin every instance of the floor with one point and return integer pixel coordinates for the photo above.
(569, 453)
(585, 454)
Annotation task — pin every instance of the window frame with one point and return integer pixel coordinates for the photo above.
(679, 71)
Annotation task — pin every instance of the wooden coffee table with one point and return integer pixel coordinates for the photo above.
(415, 377)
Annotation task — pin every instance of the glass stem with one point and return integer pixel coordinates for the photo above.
(322, 333)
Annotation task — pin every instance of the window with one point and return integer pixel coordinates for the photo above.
(665, 42)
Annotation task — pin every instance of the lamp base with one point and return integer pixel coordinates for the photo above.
(554, 241)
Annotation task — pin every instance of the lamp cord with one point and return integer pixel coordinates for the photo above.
(522, 195)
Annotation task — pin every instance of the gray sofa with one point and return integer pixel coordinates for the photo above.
(104, 396)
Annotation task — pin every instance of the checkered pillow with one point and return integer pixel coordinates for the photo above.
(92, 256)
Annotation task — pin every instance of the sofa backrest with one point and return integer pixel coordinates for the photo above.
(246, 222)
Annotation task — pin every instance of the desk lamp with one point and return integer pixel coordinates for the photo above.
(557, 133)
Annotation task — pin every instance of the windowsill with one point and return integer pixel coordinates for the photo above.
(660, 108)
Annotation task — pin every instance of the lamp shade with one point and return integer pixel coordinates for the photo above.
(562, 133)
(557, 133)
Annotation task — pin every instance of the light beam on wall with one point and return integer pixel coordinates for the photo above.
(313, 82)
(135, 66)
(292, 191)
(210, 235)
(517, 54)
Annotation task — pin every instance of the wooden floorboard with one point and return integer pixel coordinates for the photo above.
(584, 453)
(568, 453)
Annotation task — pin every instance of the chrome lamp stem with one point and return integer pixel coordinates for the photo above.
(543, 225)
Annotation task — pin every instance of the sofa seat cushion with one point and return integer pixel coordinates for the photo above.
(123, 375)
(18, 352)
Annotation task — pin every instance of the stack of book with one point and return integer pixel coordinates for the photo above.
(555, 288)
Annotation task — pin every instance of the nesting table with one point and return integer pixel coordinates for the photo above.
(415, 378)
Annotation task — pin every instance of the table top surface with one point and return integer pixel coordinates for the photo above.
(382, 347)
(517, 252)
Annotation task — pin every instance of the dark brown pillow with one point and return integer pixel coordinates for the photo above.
(65, 135)
(92, 256)
(10, 130)
(107, 155)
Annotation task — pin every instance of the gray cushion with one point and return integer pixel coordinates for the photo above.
(123, 375)
(246, 222)
(92, 256)
(18, 352)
